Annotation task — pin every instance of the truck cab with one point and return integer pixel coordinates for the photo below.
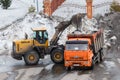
(78, 53)
(84, 50)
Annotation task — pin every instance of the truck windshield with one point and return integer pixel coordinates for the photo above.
(76, 46)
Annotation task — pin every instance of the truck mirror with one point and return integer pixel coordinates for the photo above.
(91, 47)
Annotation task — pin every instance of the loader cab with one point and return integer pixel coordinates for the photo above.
(40, 35)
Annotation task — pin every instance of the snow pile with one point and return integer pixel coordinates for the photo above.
(109, 64)
(67, 31)
(112, 29)
(17, 30)
(89, 25)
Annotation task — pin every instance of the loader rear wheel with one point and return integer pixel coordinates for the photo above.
(57, 56)
(31, 58)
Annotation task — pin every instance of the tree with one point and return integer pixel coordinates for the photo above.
(5, 3)
(115, 6)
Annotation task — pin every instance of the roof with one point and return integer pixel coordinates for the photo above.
(39, 29)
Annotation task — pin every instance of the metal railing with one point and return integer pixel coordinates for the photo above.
(83, 6)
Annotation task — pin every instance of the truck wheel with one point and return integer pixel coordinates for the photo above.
(31, 58)
(92, 65)
(98, 59)
(57, 56)
(68, 68)
(101, 55)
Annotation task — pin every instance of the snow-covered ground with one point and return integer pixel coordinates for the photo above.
(17, 10)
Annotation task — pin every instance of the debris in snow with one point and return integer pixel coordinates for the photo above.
(48, 67)
(75, 76)
(113, 38)
(109, 64)
(89, 25)
(107, 45)
(104, 79)
(118, 60)
(102, 66)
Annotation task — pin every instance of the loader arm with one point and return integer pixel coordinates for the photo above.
(59, 29)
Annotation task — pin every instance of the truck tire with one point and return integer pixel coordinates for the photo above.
(98, 59)
(92, 65)
(31, 58)
(68, 68)
(101, 55)
(57, 56)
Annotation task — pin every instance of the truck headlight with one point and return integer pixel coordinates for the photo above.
(86, 62)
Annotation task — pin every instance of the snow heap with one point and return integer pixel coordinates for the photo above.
(89, 25)
(17, 30)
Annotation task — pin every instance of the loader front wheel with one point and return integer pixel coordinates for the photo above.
(31, 58)
(57, 56)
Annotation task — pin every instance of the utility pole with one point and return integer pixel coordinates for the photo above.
(89, 8)
(37, 6)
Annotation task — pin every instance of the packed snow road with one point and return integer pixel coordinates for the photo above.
(11, 69)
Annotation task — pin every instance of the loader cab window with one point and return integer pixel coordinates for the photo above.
(41, 36)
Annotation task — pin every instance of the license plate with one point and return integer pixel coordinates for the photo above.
(76, 65)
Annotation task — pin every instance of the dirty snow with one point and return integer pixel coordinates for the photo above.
(75, 76)
(118, 60)
(109, 64)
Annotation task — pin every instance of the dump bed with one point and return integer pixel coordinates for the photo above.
(96, 37)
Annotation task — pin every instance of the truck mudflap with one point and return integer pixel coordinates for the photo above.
(16, 56)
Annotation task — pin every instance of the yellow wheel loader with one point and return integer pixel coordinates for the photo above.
(31, 50)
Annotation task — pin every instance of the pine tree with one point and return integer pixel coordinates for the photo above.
(5, 3)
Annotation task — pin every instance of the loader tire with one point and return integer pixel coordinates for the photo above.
(57, 56)
(31, 58)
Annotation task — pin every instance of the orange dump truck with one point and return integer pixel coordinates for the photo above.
(84, 50)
